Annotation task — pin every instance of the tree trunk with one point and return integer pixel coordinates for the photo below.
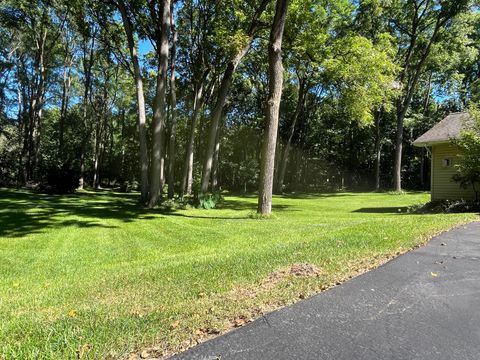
(284, 159)
(397, 169)
(273, 108)
(217, 114)
(158, 148)
(215, 165)
(140, 101)
(38, 108)
(378, 149)
(173, 123)
(87, 71)
(187, 179)
(222, 97)
(67, 81)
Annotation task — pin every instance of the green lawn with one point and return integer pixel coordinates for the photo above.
(96, 273)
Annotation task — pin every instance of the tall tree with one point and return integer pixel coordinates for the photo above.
(223, 92)
(137, 75)
(275, 77)
(161, 23)
(421, 24)
(173, 111)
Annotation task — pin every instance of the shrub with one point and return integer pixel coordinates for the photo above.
(469, 159)
(446, 206)
(207, 200)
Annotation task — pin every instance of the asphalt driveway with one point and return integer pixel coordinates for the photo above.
(422, 305)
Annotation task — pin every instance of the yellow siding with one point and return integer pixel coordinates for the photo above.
(443, 187)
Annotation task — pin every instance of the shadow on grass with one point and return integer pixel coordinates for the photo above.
(24, 212)
(313, 195)
(383, 210)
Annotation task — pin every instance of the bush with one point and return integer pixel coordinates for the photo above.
(207, 200)
(469, 159)
(446, 206)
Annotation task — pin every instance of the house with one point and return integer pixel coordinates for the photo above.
(444, 155)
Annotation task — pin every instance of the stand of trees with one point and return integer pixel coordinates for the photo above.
(180, 97)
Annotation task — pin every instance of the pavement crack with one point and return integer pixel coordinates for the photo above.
(266, 320)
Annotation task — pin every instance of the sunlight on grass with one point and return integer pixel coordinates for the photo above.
(96, 269)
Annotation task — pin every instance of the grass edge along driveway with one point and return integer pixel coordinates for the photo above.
(93, 275)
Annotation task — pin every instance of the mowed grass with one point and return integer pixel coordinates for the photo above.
(94, 275)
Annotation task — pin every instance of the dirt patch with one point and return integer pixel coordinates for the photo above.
(294, 270)
(272, 279)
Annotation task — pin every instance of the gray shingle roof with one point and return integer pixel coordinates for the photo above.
(447, 129)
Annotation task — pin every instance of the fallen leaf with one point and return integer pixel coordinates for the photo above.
(434, 274)
(83, 349)
(239, 322)
(73, 313)
(174, 324)
(145, 354)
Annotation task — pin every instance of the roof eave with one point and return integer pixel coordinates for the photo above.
(431, 143)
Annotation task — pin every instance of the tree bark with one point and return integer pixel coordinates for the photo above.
(273, 108)
(68, 59)
(87, 70)
(187, 179)
(378, 149)
(140, 101)
(216, 164)
(158, 149)
(38, 106)
(173, 123)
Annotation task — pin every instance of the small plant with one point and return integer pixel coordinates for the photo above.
(207, 200)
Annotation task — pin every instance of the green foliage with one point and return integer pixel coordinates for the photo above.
(10, 151)
(208, 200)
(363, 73)
(468, 165)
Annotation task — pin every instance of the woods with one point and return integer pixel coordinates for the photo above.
(182, 98)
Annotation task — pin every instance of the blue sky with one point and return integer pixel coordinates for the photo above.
(144, 47)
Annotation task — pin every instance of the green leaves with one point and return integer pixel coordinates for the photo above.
(362, 73)
(468, 165)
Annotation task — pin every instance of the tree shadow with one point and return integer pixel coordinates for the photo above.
(314, 195)
(383, 210)
(24, 212)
